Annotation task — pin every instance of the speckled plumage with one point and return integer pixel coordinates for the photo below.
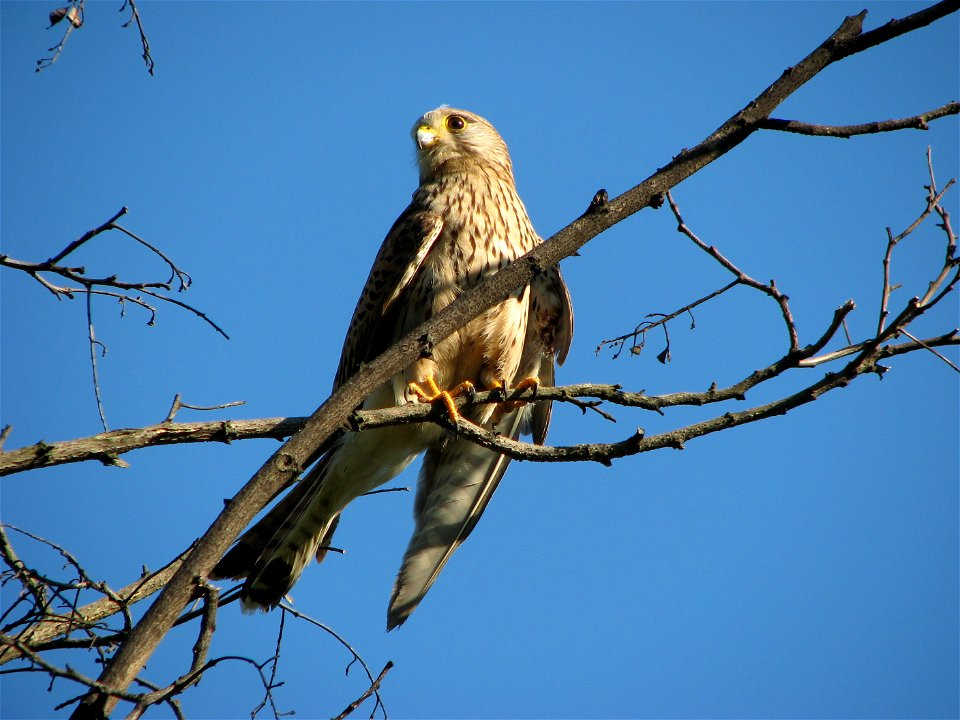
(465, 221)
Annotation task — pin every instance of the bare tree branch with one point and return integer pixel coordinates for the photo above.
(178, 404)
(43, 630)
(769, 289)
(96, 285)
(107, 447)
(145, 44)
(373, 689)
(933, 202)
(637, 336)
(374, 683)
(918, 122)
(927, 346)
(73, 13)
(201, 647)
(94, 345)
(110, 286)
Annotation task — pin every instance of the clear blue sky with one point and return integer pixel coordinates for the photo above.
(802, 567)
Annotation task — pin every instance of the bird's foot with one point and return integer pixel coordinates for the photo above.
(433, 393)
(500, 391)
(525, 384)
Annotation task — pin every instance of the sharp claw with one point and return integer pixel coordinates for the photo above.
(526, 383)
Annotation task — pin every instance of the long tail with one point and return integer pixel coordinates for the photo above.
(273, 553)
(456, 483)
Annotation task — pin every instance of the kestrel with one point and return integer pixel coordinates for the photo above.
(465, 222)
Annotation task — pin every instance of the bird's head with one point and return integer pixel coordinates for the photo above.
(447, 135)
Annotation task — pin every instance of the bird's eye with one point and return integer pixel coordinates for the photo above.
(455, 123)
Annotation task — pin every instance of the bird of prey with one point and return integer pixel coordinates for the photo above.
(465, 222)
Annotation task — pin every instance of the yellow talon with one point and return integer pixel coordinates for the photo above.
(530, 382)
(464, 388)
(433, 393)
(421, 393)
(526, 383)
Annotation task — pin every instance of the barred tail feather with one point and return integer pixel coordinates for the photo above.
(456, 482)
(274, 552)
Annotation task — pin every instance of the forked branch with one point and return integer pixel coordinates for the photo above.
(111, 286)
(73, 13)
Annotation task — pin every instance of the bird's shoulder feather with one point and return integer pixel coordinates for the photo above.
(400, 257)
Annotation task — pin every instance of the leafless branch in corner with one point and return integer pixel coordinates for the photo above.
(79, 282)
(73, 14)
(942, 284)
(47, 616)
(50, 610)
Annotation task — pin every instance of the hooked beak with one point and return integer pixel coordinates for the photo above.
(426, 137)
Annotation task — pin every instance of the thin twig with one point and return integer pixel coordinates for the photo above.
(73, 13)
(182, 276)
(918, 122)
(356, 656)
(94, 343)
(933, 202)
(923, 344)
(90, 234)
(88, 283)
(178, 404)
(26, 577)
(637, 336)
(199, 313)
(135, 16)
(374, 687)
(742, 278)
(274, 663)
